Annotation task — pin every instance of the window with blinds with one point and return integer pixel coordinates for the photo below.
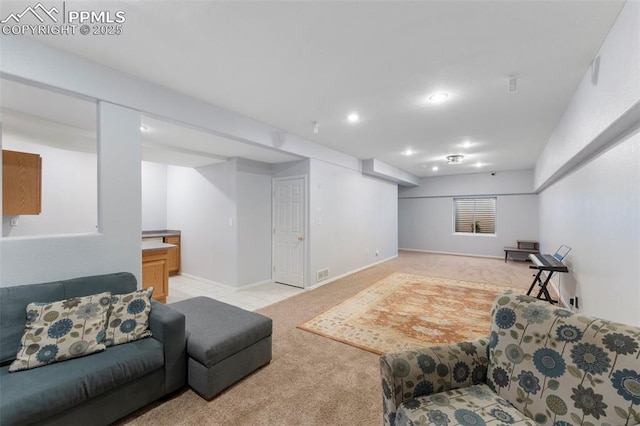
(475, 215)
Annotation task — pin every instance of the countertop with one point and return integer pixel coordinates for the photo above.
(156, 245)
(160, 233)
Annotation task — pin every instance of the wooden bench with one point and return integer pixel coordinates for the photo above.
(524, 246)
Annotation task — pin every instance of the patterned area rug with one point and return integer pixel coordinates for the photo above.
(404, 311)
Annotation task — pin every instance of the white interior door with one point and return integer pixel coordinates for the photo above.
(288, 231)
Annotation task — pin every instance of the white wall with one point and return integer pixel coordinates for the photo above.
(28, 60)
(507, 182)
(596, 212)
(224, 214)
(202, 205)
(253, 221)
(597, 104)
(116, 245)
(425, 213)
(350, 217)
(595, 209)
(69, 192)
(154, 196)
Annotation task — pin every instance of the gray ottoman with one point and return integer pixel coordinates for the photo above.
(224, 343)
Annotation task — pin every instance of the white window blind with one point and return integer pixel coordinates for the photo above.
(475, 215)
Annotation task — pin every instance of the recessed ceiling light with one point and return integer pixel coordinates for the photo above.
(143, 128)
(409, 152)
(353, 117)
(467, 144)
(434, 168)
(479, 164)
(438, 97)
(454, 159)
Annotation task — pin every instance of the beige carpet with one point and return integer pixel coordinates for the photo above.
(404, 311)
(313, 380)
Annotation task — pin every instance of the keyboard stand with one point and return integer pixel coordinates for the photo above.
(543, 294)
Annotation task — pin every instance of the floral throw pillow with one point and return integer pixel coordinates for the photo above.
(129, 317)
(62, 330)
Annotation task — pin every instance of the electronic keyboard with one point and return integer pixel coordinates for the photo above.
(547, 262)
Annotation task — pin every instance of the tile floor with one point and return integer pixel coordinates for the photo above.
(259, 296)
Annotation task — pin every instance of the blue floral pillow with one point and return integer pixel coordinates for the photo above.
(62, 330)
(129, 317)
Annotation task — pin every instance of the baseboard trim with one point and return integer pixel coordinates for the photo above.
(251, 285)
(230, 287)
(452, 253)
(204, 280)
(346, 274)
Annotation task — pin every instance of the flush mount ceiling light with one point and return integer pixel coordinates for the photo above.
(454, 159)
(434, 168)
(353, 117)
(479, 164)
(438, 97)
(409, 152)
(467, 144)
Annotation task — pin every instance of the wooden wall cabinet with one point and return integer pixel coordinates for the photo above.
(173, 258)
(21, 183)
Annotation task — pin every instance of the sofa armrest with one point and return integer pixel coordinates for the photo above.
(424, 371)
(168, 326)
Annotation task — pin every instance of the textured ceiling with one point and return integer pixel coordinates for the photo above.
(288, 64)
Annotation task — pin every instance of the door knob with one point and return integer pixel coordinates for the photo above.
(300, 238)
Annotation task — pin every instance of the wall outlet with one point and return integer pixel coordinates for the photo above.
(377, 252)
(14, 221)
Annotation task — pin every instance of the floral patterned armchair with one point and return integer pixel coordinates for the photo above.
(540, 365)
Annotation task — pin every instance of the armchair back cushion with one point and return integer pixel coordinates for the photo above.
(558, 367)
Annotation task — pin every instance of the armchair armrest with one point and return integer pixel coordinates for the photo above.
(425, 371)
(168, 326)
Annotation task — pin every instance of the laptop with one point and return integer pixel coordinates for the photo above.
(561, 253)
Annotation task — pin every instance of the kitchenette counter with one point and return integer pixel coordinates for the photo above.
(160, 233)
(154, 245)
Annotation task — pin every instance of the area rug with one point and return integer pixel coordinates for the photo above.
(404, 311)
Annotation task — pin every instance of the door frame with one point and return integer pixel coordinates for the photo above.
(305, 223)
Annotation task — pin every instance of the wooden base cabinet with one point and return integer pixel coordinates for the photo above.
(174, 254)
(155, 273)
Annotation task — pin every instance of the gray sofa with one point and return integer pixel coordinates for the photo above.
(98, 388)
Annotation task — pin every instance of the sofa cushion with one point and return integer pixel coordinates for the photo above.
(14, 301)
(33, 395)
(473, 405)
(62, 330)
(561, 367)
(128, 317)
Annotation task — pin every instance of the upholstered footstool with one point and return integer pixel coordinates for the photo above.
(224, 343)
